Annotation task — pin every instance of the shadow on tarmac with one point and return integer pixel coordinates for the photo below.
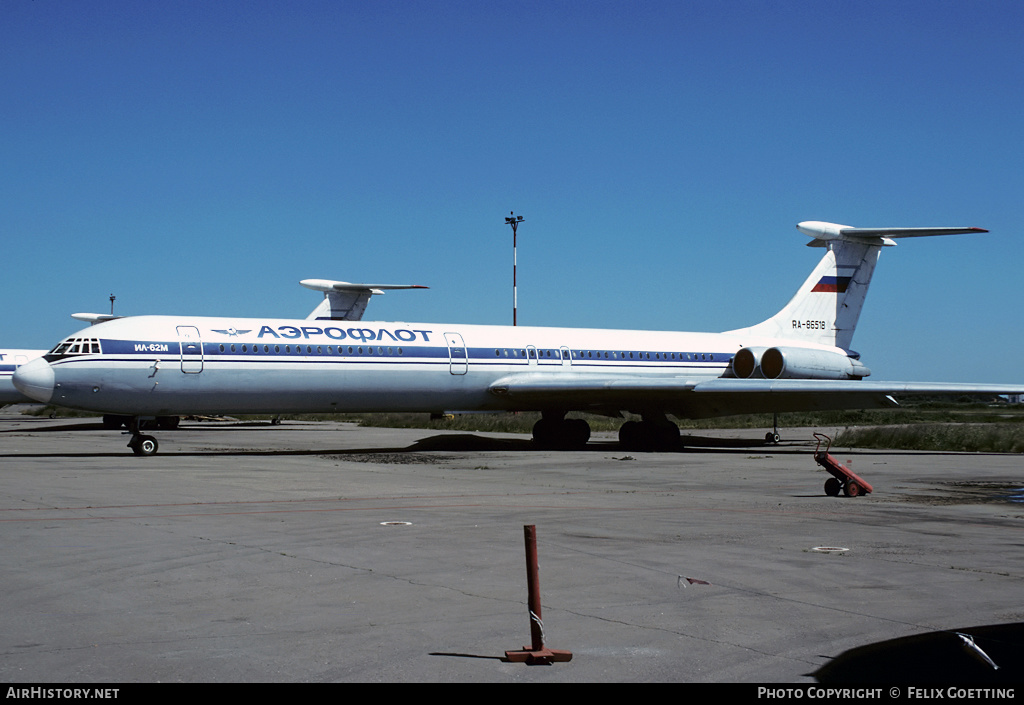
(937, 657)
(449, 442)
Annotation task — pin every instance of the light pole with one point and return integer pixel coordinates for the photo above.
(514, 221)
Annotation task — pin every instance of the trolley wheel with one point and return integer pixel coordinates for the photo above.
(852, 489)
(832, 487)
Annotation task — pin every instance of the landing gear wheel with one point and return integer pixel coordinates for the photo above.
(545, 433)
(143, 445)
(772, 437)
(631, 435)
(832, 487)
(577, 432)
(561, 434)
(649, 436)
(852, 489)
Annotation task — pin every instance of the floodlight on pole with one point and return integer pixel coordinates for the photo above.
(514, 221)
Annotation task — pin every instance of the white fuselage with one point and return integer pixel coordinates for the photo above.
(166, 365)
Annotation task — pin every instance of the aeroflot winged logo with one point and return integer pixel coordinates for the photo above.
(232, 331)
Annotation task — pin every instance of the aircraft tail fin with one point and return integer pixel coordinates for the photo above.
(344, 301)
(827, 305)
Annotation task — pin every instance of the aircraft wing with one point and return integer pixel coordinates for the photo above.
(689, 398)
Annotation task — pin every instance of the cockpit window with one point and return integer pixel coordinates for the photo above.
(75, 346)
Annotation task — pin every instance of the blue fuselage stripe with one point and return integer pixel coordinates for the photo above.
(144, 350)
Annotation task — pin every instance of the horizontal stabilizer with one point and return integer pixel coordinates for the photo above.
(345, 301)
(326, 285)
(94, 318)
(822, 232)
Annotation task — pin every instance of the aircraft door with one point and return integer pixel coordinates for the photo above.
(566, 357)
(191, 349)
(458, 357)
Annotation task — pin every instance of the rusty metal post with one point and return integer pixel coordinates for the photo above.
(536, 653)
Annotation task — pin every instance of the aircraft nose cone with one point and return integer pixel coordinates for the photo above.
(35, 379)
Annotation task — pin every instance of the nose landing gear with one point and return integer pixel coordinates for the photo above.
(143, 445)
(140, 443)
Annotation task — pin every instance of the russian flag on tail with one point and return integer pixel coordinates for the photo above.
(832, 284)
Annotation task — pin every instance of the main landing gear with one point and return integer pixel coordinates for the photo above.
(555, 432)
(653, 433)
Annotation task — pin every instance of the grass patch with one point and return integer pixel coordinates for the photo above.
(959, 437)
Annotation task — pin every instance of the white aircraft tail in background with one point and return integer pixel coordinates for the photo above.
(10, 360)
(344, 301)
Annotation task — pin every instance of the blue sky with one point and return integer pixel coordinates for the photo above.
(203, 157)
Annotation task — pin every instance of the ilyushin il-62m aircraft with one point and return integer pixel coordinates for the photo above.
(799, 359)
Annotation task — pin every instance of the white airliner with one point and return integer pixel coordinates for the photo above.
(10, 360)
(799, 359)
